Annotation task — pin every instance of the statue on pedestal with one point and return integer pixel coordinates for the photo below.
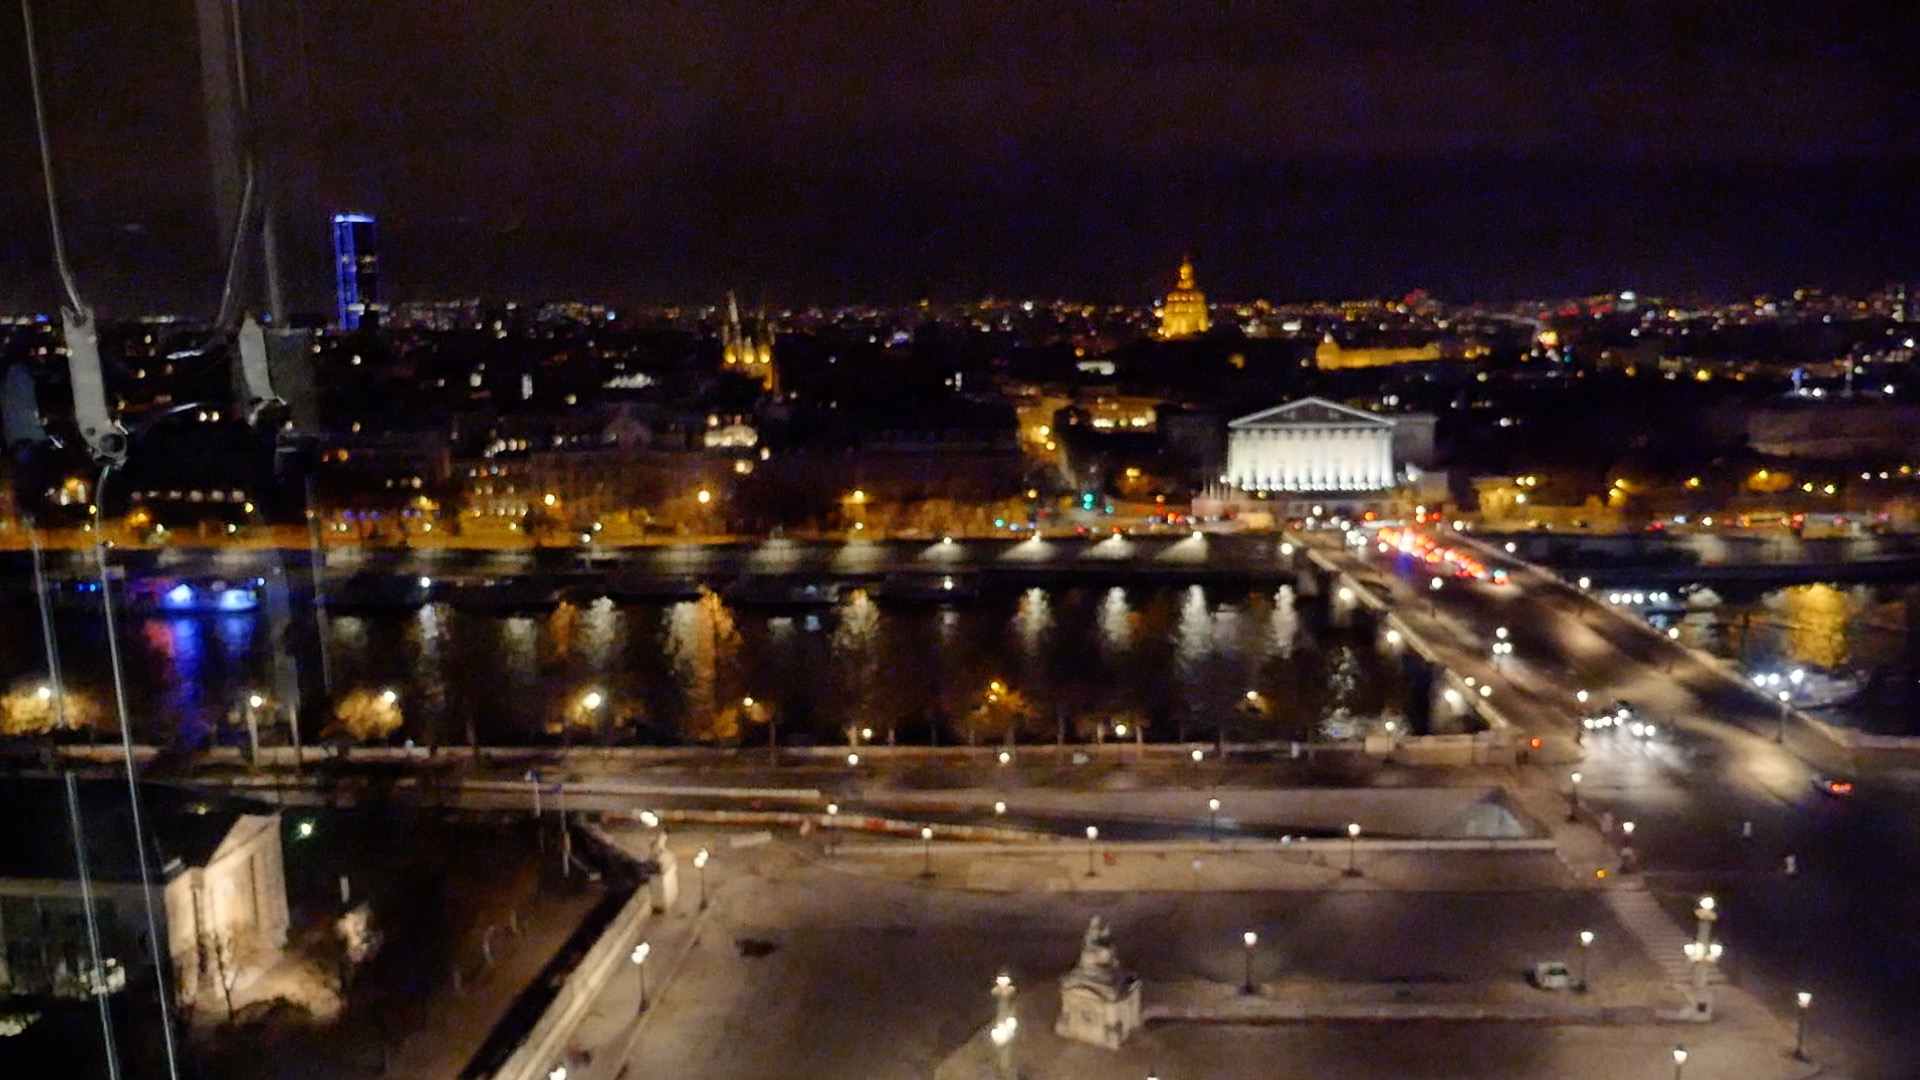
(1099, 1000)
(663, 888)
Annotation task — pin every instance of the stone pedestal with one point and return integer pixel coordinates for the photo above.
(1099, 1000)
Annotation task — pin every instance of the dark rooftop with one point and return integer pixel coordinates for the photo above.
(36, 839)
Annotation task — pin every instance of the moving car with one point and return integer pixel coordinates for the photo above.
(1833, 786)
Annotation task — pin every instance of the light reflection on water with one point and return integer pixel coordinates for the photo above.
(1176, 657)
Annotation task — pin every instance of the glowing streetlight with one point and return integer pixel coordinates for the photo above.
(1001, 1035)
(389, 696)
(833, 814)
(926, 851)
(1586, 946)
(1803, 1001)
(1679, 1061)
(853, 761)
(700, 860)
(45, 693)
(1093, 833)
(1213, 819)
(254, 701)
(1353, 849)
(999, 808)
(703, 496)
(1573, 796)
(1248, 940)
(1197, 755)
(639, 958)
(593, 699)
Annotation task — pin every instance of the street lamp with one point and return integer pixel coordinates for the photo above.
(1093, 833)
(1573, 796)
(1786, 704)
(926, 851)
(559, 1073)
(1679, 1060)
(1586, 945)
(1213, 819)
(639, 958)
(1626, 848)
(1804, 1000)
(1581, 696)
(1353, 848)
(1706, 912)
(853, 761)
(700, 860)
(999, 808)
(1197, 755)
(833, 814)
(1001, 1034)
(1249, 940)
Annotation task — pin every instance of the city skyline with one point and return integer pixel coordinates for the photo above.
(966, 151)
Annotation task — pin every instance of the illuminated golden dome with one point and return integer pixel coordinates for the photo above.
(1185, 312)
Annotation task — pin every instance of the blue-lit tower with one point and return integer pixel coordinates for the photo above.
(356, 270)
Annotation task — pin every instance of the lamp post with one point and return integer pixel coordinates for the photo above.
(833, 815)
(1213, 820)
(1093, 833)
(1001, 1035)
(639, 958)
(1197, 755)
(1353, 849)
(700, 859)
(1705, 912)
(926, 851)
(1679, 1061)
(1786, 706)
(1248, 940)
(1586, 946)
(254, 703)
(1573, 796)
(1804, 1001)
(1626, 847)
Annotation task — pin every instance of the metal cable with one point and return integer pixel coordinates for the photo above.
(46, 164)
(162, 970)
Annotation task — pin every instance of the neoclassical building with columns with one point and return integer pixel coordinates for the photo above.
(1311, 445)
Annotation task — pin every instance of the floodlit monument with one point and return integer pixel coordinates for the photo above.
(1099, 1000)
(1185, 312)
(1311, 445)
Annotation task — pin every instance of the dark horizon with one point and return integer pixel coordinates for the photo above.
(663, 153)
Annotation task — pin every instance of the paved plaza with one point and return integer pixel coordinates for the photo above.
(851, 965)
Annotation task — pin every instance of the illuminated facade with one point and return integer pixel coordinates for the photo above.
(1329, 356)
(1310, 445)
(748, 352)
(1185, 312)
(356, 271)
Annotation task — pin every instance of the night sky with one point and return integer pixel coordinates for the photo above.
(633, 150)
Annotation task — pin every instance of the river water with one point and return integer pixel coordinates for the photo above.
(1850, 630)
(1180, 658)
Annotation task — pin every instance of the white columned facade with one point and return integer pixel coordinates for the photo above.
(1310, 446)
